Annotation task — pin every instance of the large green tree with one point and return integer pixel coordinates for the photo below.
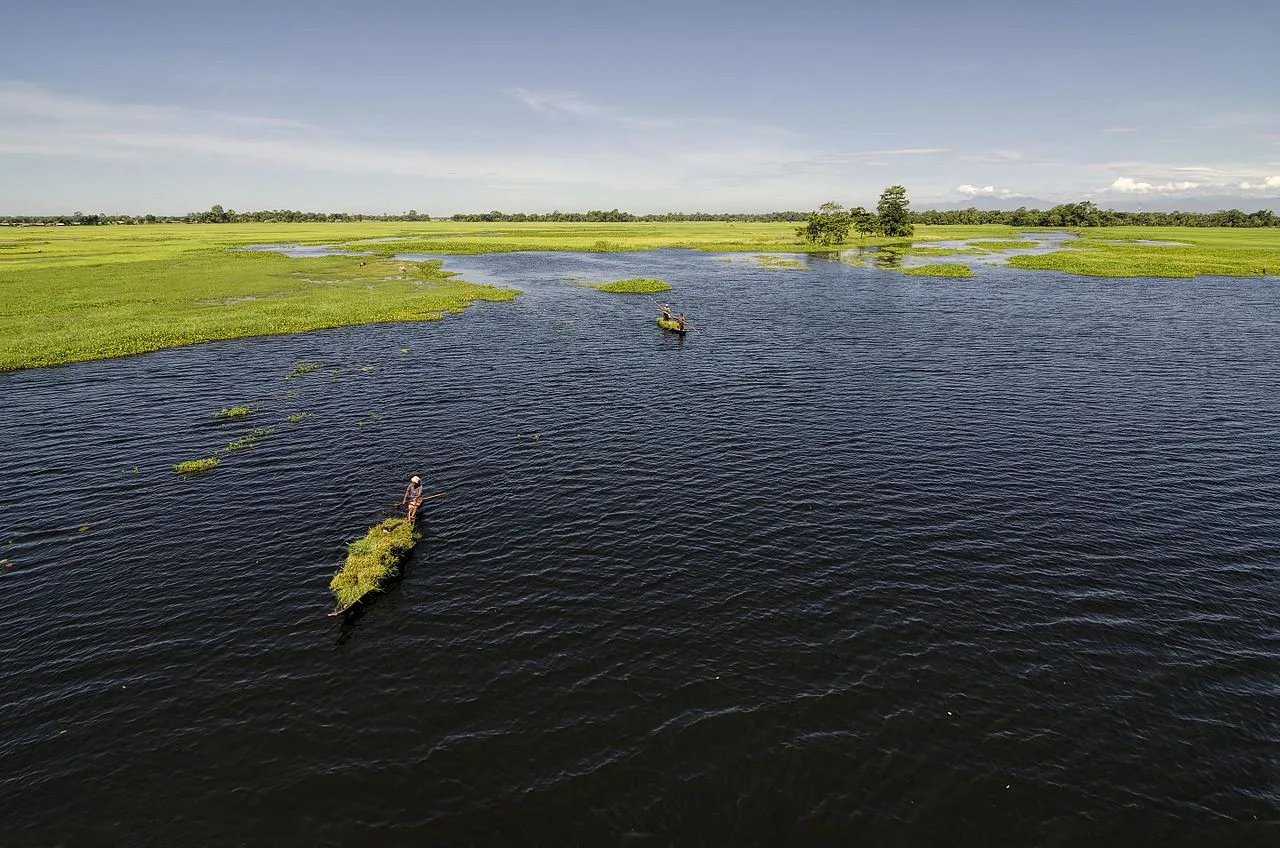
(895, 220)
(863, 221)
(829, 225)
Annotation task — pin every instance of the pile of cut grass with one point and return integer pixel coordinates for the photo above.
(635, 285)
(939, 269)
(372, 560)
(194, 466)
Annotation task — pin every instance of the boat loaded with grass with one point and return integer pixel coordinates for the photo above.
(372, 561)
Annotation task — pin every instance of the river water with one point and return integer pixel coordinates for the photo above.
(871, 559)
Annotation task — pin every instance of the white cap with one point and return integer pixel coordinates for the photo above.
(414, 479)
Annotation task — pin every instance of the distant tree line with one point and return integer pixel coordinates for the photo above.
(1084, 214)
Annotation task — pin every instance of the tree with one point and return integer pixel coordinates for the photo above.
(829, 225)
(863, 221)
(895, 220)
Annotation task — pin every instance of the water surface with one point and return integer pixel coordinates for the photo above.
(873, 559)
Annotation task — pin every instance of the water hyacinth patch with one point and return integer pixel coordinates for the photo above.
(248, 441)
(636, 285)
(195, 466)
(233, 412)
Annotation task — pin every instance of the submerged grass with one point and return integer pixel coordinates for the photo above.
(1115, 252)
(194, 466)
(939, 269)
(636, 285)
(372, 560)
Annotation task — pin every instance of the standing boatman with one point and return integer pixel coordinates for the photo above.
(413, 497)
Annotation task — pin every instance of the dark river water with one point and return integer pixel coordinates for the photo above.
(871, 560)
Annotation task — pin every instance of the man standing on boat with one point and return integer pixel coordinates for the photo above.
(664, 312)
(413, 497)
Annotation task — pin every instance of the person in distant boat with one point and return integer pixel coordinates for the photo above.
(413, 496)
(664, 312)
(680, 321)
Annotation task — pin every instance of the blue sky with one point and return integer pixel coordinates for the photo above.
(645, 106)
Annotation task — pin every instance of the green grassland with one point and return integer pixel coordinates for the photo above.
(80, 293)
(1112, 252)
(75, 293)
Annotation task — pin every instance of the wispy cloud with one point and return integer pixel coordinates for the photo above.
(570, 103)
(1119, 129)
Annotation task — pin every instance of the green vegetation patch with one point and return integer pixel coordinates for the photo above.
(636, 285)
(766, 260)
(933, 251)
(298, 416)
(233, 412)
(248, 440)
(1113, 252)
(99, 292)
(372, 560)
(194, 466)
(997, 244)
(302, 369)
(939, 269)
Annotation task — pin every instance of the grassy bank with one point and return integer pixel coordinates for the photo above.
(1117, 252)
(79, 294)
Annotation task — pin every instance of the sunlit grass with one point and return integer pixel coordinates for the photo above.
(939, 269)
(95, 292)
(372, 560)
(1112, 252)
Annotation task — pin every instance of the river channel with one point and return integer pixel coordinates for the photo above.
(868, 558)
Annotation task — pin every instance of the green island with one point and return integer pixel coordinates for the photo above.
(939, 269)
(372, 560)
(78, 293)
(636, 285)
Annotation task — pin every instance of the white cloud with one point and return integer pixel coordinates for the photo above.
(1268, 183)
(981, 191)
(1128, 185)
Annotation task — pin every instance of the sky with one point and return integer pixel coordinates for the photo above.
(654, 106)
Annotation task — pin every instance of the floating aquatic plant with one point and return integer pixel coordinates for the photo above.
(298, 416)
(371, 560)
(301, 369)
(193, 466)
(248, 440)
(636, 285)
(233, 412)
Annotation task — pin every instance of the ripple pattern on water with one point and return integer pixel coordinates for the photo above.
(872, 558)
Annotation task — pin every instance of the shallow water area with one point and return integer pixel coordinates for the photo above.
(869, 558)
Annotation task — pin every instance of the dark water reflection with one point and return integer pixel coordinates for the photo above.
(873, 559)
